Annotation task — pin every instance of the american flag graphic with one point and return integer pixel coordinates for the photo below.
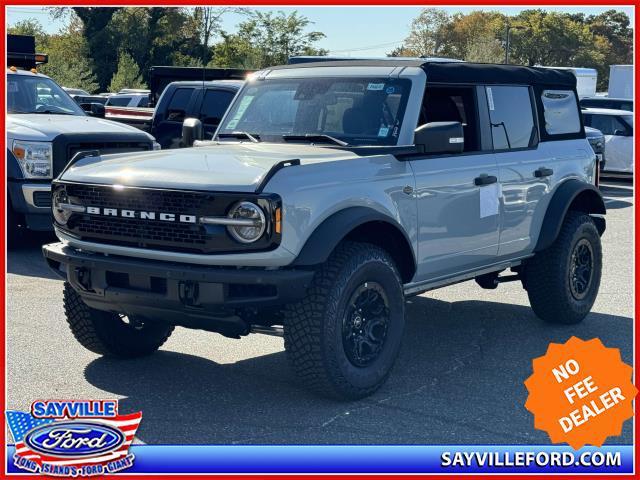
(20, 423)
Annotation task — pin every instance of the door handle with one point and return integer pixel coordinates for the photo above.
(485, 179)
(543, 172)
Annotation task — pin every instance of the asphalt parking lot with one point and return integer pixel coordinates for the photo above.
(458, 380)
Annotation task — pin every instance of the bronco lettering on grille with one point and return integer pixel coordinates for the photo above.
(143, 215)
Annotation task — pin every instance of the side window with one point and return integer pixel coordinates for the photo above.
(511, 114)
(143, 102)
(607, 124)
(561, 113)
(453, 104)
(177, 109)
(214, 105)
(119, 101)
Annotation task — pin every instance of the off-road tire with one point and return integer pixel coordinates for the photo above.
(313, 328)
(547, 275)
(105, 333)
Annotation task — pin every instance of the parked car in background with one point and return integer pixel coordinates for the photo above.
(597, 141)
(45, 129)
(206, 101)
(206, 108)
(89, 99)
(608, 102)
(128, 100)
(617, 128)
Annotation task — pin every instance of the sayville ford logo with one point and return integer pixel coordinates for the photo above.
(73, 437)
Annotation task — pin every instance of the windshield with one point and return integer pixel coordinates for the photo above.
(629, 120)
(358, 111)
(34, 94)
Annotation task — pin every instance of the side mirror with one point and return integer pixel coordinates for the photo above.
(440, 137)
(622, 133)
(93, 109)
(191, 131)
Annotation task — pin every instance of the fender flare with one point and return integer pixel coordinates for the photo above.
(326, 237)
(589, 201)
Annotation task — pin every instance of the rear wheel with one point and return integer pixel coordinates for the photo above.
(562, 282)
(112, 334)
(343, 338)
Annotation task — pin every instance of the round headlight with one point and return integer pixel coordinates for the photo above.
(60, 198)
(250, 222)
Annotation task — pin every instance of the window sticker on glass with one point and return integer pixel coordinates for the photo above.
(244, 104)
(390, 90)
(12, 87)
(375, 86)
(383, 132)
(490, 98)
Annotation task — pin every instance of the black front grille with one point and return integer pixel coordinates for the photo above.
(167, 201)
(155, 233)
(143, 231)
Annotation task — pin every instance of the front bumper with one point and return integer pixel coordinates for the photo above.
(32, 201)
(190, 295)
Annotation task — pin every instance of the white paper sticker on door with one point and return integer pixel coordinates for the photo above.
(489, 200)
(490, 99)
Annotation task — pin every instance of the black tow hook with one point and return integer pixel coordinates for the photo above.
(188, 292)
(83, 276)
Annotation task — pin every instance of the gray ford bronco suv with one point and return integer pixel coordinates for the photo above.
(331, 192)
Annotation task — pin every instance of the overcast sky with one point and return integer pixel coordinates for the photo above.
(368, 31)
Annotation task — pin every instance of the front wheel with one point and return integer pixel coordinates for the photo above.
(111, 334)
(562, 282)
(344, 337)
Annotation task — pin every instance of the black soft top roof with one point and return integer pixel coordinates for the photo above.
(460, 72)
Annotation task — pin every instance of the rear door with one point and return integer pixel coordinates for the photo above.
(525, 170)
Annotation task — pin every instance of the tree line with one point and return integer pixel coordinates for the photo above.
(109, 48)
(537, 37)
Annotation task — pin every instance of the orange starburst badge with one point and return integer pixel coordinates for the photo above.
(580, 392)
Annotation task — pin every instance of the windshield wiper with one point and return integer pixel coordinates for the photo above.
(52, 112)
(316, 137)
(254, 138)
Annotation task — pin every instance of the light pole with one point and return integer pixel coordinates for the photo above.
(506, 50)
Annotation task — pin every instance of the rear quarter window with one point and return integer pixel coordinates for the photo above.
(561, 112)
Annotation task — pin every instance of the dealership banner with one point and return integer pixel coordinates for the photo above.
(375, 458)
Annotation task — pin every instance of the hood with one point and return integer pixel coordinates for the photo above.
(45, 128)
(230, 167)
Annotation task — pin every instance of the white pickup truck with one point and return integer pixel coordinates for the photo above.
(45, 129)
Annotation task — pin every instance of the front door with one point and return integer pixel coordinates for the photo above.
(457, 195)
